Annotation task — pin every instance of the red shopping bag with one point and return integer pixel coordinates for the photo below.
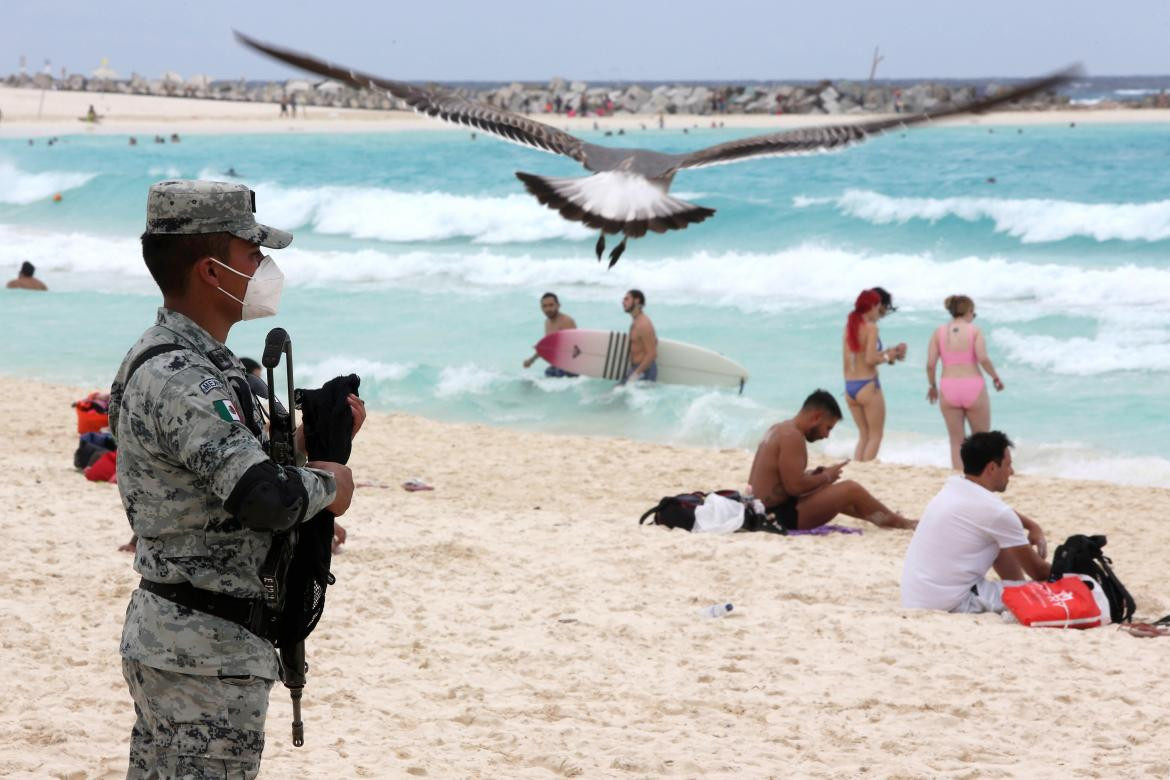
(1067, 603)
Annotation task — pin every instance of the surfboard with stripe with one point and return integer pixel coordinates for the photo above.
(606, 355)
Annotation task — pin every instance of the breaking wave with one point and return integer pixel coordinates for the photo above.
(19, 187)
(1032, 220)
(389, 215)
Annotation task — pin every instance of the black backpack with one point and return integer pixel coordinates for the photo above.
(679, 512)
(1082, 554)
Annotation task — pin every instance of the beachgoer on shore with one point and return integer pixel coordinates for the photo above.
(961, 391)
(554, 320)
(799, 498)
(194, 476)
(966, 530)
(25, 279)
(643, 340)
(862, 353)
(887, 307)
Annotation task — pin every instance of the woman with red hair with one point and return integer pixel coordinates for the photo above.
(863, 391)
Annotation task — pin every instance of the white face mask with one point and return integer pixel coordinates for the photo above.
(262, 298)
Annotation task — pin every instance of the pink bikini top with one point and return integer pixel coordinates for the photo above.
(960, 358)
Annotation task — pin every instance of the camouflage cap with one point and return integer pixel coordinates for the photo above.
(187, 207)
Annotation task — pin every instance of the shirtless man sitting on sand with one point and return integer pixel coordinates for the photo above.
(800, 498)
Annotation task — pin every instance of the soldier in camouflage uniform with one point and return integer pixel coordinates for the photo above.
(200, 491)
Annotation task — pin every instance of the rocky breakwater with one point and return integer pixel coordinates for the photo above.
(574, 98)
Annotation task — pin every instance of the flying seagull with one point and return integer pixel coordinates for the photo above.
(628, 191)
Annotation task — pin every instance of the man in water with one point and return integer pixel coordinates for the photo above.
(800, 498)
(24, 280)
(201, 491)
(643, 340)
(555, 320)
(967, 530)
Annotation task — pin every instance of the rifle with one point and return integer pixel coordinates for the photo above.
(282, 450)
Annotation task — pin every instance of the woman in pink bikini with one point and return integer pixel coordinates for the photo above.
(863, 352)
(961, 392)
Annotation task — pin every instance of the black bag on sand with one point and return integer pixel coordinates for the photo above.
(679, 512)
(1082, 554)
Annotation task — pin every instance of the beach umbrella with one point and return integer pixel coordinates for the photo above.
(104, 71)
(170, 77)
(199, 81)
(297, 85)
(330, 86)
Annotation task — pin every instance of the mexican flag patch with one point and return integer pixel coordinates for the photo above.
(227, 411)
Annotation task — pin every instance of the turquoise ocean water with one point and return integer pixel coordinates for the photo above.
(419, 260)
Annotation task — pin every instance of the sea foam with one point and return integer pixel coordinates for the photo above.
(1108, 351)
(19, 187)
(390, 215)
(749, 281)
(1032, 220)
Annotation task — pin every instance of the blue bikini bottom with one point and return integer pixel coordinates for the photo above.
(853, 386)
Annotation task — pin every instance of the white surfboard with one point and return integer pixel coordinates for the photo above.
(605, 354)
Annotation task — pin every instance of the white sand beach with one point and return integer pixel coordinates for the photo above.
(517, 622)
(36, 113)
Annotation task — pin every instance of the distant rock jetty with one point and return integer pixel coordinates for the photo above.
(578, 98)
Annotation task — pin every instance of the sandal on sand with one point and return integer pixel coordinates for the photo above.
(416, 484)
(1147, 629)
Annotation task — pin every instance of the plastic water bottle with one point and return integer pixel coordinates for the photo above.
(715, 610)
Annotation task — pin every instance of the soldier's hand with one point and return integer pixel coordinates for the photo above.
(344, 479)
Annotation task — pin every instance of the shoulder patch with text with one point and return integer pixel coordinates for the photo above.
(209, 384)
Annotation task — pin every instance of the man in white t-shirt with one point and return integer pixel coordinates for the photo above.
(967, 530)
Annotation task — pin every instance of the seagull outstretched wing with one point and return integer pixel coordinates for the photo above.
(824, 138)
(511, 127)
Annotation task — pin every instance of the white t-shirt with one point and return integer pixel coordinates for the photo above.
(957, 540)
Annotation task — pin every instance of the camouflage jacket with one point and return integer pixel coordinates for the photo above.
(182, 447)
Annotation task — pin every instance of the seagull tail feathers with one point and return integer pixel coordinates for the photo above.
(615, 202)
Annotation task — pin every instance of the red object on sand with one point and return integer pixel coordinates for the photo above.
(104, 469)
(92, 412)
(1066, 603)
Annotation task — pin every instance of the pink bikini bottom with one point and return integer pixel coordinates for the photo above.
(961, 391)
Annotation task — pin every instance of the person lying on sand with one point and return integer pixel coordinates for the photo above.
(799, 498)
(966, 530)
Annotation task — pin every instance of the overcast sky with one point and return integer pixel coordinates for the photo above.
(462, 40)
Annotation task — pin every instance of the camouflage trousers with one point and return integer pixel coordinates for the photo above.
(195, 727)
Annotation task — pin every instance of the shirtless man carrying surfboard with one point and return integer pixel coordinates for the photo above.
(801, 498)
(555, 320)
(643, 340)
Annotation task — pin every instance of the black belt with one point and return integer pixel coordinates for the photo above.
(249, 613)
